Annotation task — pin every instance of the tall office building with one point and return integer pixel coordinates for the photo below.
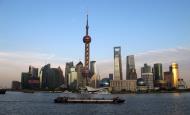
(146, 69)
(117, 64)
(72, 81)
(147, 75)
(86, 40)
(175, 71)
(111, 76)
(51, 77)
(30, 79)
(93, 67)
(172, 76)
(80, 78)
(67, 70)
(33, 71)
(130, 68)
(157, 70)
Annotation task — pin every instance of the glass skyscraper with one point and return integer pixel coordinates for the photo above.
(130, 68)
(158, 75)
(117, 64)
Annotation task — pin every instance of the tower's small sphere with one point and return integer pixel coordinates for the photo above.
(86, 39)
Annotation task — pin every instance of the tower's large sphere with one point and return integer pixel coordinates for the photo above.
(87, 39)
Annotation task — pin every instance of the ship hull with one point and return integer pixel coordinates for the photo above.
(2, 91)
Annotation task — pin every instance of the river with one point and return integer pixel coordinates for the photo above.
(40, 103)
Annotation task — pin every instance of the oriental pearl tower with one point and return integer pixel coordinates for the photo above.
(86, 40)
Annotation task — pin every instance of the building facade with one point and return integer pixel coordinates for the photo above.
(175, 71)
(148, 78)
(72, 83)
(80, 78)
(30, 79)
(157, 70)
(130, 68)
(147, 75)
(52, 78)
(117, 64)
(123, 85)
(92, 67)
(67, 70)
(16, 85)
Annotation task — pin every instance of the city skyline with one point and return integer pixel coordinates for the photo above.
(34, 39)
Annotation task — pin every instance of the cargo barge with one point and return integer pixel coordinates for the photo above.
(115, 100)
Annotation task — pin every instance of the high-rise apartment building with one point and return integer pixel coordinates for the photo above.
(117, 64)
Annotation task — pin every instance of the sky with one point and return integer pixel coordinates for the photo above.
(37, 32)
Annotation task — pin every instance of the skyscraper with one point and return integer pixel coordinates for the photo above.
(175, 72)
(130, 68)
(51, 77)
(117, 64)
(72, 82)
(86, 40)
(80, 78)
(146, 69)
(92, 67)
(157, 70)
(30, 79)
(147, 75)
(33, 71)
(67, 70)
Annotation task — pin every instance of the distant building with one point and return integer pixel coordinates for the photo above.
(51, 77)
(105, 82)
(172, 76)
(148, 78)
(141, 85)
(175, 71)
(25, 76)
(130, 68)
(80, 78)
(30, 80)
(16, 85)
(111, 76)
(157, 70)
(67, 70)
(72, 76)
(146, 69)
(123, 85)
(117, 64)
(92, 67)
(168, 77)
(33, 71)
(147, 75)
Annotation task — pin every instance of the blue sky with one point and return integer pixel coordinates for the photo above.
(35, 32)
(57, 26)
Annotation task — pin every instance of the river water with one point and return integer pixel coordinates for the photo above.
(18, 103)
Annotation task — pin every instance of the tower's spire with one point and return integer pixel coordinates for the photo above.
(87, 25)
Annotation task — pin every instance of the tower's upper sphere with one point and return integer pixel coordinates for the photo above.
(87, 39)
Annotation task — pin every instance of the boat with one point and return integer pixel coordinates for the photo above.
(28, 91)
(3, 91)
(115, 100)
